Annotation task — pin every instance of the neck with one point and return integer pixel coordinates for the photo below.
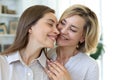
(28, 54)
(64, 53)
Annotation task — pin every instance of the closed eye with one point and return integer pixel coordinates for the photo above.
(50, 24)
(73, 30)
(63, 22)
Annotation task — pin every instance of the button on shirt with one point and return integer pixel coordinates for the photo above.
(13, 68)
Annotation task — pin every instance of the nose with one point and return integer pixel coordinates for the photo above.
(63, 30)
(56, 30)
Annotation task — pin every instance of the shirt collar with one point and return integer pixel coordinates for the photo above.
(42, 59)
(13, 57)
(16, 57)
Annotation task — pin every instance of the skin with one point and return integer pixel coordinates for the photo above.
(71, 32)
(42, 34)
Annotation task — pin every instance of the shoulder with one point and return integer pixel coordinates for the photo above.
(92, 64)
(85, 62)
(92, 68)
(92, 72)
(87, 59)
(4, 68)
(6, 59)
(85, 66)
(3, 61)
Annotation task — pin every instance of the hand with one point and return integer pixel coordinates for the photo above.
(56, 71)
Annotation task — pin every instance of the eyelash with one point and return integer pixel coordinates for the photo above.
(50, 24)
(70, 27)
(62, 23)
(73, 30)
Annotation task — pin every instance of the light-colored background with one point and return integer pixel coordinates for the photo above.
(108, 13)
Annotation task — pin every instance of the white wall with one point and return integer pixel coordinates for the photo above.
(111, 30)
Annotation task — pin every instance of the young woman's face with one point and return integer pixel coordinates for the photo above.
(44, 32)
(71, 31)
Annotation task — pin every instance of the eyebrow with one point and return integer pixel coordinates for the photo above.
(71, 25)
(75, 26)
(51, 20)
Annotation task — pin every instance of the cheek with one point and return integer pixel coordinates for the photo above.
(39, 33)
(42, 34)
(43, 30)
(76, 38)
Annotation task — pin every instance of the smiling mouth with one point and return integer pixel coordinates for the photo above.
(52, 37)
(63, 37)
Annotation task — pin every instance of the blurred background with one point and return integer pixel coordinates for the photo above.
(108, 14)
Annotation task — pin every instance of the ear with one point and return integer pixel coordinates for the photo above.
(30, 30)
(82, 39)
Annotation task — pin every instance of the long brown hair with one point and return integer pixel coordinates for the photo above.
(29, 17)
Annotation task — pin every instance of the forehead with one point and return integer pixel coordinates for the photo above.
(76, 20)
(50, 17)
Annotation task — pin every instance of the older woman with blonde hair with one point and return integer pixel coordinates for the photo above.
(79, 36)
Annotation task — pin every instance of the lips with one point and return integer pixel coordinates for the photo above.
(52, 37)
(62, 37)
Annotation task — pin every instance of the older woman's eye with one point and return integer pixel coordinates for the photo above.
(73, 30)
(62, 22)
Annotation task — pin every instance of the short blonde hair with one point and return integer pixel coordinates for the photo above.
(91, 27)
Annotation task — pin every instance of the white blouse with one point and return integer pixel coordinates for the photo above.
(80, 66)
(13, 68)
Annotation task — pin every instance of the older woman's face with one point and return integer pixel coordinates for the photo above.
(71, 31)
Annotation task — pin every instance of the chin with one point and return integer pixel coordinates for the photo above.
(51, 46)
(59, 43)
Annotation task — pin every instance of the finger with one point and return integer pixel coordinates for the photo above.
(50, 74)
(56, 69)
(53, 69)
(61, 67)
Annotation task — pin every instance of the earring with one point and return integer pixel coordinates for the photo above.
(77, 47)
